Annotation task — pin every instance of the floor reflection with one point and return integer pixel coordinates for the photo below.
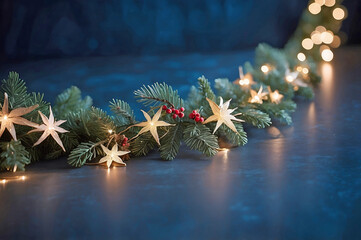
(327, 85)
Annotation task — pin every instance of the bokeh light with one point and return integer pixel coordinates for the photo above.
(327, 37)
(316, 37)
(336, 42)
(307, 43)
(314, 8)
(301, 56)
(327, 55)
(338, 13)
(330, 3)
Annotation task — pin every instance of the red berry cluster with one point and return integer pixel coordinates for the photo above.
(125, 142)
(196, 116)
(176, 112)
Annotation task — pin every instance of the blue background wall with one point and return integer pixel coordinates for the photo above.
(44, 28)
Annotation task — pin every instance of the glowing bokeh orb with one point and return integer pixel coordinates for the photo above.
(327, 55)
(330, 3)
(307, 43)
(314, 8)
(301, 57)
(338, 13)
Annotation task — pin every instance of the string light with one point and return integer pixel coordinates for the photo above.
(321, 2)
(316, 37)
(327, 55)
(330, 3)
(338, 13)
(320, 29)
(244, 80)
(265, 68)
(327, 37)
(299, 68)
(110, 131)
(301, 56)
(307, 43)
(336, 42)
(305, 70)
(314, 8)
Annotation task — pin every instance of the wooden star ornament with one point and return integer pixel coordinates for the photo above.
(151, 125)
(275, 96)
(245, 81)
(292, 78)
(112, 156)
(222, 115)
(8, 119)
(50, 127)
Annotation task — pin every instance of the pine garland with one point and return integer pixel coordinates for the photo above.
(91, 129)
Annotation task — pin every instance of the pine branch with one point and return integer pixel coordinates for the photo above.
(170, 143)
(256, 117)
(205, 88)
(13, 156)
(234, 138)
(70, 101)
(199, 137)
(16, 89)
(143, 144)
(83, 153)
(123, 110)
(157, 94)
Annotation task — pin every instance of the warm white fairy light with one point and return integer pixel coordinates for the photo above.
(299, 68)
(244, 80)
(320, 29)
(3, 181)
(327, 55)
(307, 43)
(305, 70)
(338, 13)
(316, 37)
(320, 2)
(336, 42)
(327, 37)
(110, 131)
(23, 178)
(301, 56)
(314, 8)
(265, 68)
(330, 3)
(275, 96)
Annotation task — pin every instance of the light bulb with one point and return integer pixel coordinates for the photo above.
(301, 57)
(305, 70)
(110, 131)
(327, 55)
(265, 69)
(5, 117)
(307, 43)
(330, 3)
(338, 13)
(314, 8)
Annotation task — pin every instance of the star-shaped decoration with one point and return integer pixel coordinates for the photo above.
(257, 97)
(152, 124)
(275, 96)
(8, 119)
(112, 156)
(50, 127)
(222, 115)
(292, 78)
(245, 81)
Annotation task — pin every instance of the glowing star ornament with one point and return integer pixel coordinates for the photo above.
(50, 127)
(112, 156)
(275, 96)
(292, 78)
(222, 115)
(257, 97)
(152, 124)
(245, 81)
(8, 119)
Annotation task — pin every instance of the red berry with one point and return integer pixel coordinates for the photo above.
(191, 115)
(182, 109)
(197, 119)
(164, 107)
(172, 109)
(174, 116)
(168, 110)
(125, 139)
(181, 115)
(202, 119)
(194, 111)
(197, 115)
(176, 111)
(123, 144)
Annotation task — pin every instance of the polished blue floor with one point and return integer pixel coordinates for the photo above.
(289, 182)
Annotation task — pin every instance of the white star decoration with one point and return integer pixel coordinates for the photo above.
(49, 127)
(257, 97)
(222, 115)
(152, 124)
(113, 156)
(8, 119)
(292, 78)
(275, 96)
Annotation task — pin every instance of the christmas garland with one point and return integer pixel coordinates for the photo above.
(208, 121)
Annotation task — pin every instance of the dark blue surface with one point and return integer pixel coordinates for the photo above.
(289, 182)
